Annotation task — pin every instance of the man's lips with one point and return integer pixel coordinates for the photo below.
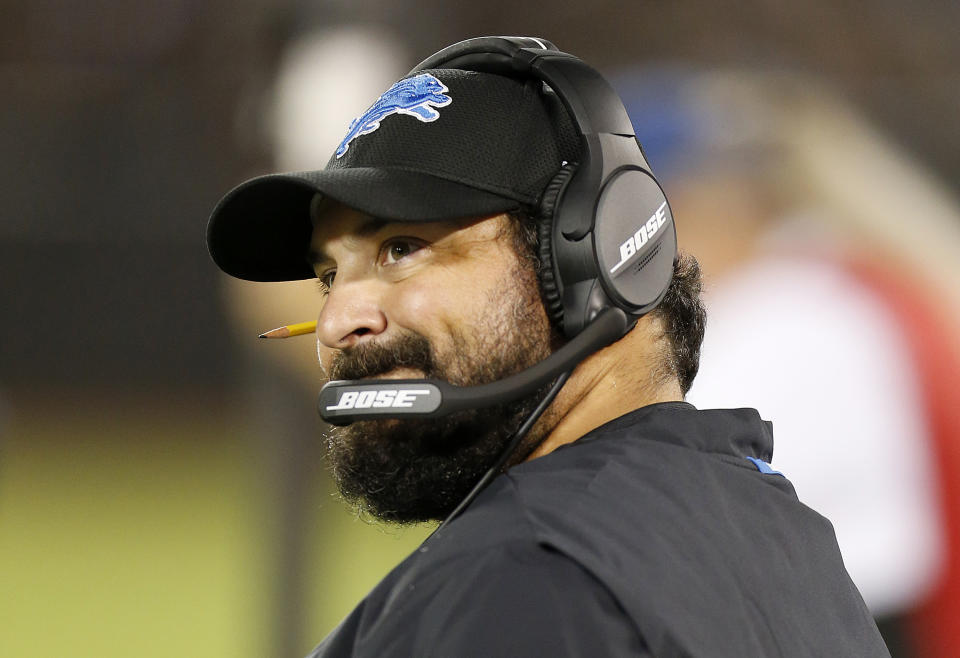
(401, 373)
(395, 373)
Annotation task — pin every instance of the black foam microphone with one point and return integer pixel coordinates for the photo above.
(345, 401)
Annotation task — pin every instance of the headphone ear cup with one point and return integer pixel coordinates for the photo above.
(549, 279)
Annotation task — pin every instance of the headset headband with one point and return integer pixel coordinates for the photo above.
(607, 237)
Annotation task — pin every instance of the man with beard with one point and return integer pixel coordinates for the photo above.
(419, 469)
(622, 520)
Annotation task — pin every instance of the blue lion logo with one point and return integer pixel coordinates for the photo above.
(416, 96)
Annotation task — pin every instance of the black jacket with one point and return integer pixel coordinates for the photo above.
(652, 535)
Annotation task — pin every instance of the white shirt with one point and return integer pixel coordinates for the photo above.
(821, 355)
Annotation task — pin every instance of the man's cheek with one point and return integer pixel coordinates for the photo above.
(412, 301)
(432, 314)
(423, 306)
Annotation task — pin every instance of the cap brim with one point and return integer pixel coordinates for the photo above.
(260, 231)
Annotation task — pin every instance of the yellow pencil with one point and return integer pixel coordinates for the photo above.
(298, 329)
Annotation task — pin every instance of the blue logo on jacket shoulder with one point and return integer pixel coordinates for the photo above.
(764, 467)
(416, 96)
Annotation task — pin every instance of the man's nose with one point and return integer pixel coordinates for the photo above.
(351, 314)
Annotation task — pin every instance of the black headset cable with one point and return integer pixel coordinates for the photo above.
(518, 436)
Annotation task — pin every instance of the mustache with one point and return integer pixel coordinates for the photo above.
(373, 359)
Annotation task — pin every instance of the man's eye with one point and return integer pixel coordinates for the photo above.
(325, 280)
(397, 250)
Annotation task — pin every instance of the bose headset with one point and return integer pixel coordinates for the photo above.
(607, 244)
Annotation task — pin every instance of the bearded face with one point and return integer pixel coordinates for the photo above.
(415, 470)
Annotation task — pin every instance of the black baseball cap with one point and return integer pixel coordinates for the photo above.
(438, 145)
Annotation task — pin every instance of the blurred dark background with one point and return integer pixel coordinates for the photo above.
(121, 374)
(124, 123)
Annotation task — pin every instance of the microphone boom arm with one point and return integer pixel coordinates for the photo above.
(345, 401)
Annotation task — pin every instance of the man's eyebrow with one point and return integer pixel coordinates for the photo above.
(366, 229)
(315, 257)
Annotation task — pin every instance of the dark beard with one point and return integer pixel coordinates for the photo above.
(417, 470)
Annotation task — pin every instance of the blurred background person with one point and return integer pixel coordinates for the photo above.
(832, 311)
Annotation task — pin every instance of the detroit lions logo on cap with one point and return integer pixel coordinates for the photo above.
(416, 96)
